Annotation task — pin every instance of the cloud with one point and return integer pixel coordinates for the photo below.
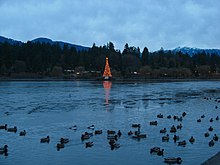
(150, 23)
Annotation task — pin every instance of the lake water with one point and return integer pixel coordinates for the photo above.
(51, 108)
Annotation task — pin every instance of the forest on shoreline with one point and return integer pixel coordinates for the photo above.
(39, 60)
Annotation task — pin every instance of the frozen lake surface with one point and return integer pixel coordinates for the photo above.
(51, 108)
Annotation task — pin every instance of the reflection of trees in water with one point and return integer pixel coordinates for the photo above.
(145, 102)
(145, 99)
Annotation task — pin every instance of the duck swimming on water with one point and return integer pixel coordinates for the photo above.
(45, 140)
(165, 138)
(192, 139)
(215, 137)
(211, 143)
(173, 160)
(89, 144)
(60, 145)
(3, 126)
(64, 140)
(12, 129)
(91, 127)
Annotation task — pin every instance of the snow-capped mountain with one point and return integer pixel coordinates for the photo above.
(192, 51)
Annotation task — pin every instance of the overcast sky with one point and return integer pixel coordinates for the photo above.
(150, 23)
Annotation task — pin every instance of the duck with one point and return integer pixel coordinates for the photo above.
(217, 118)
(166, 138)
(45, 140)
(7, 113)
(211, 120)
(153, 123)
(23, 133)
(160, 116)
(215, 137)
(89, 144)
(163, 130)
(169, 117)
(136, 125)
(97, 132)
(175, 138)
(119, 133)
(88, 133)
(157, 151)
(154, 150)
(160, 152)
(12, 129)
(173, 129)
(113, 144)
(206, 134)
(3, 126)
(182, 143)
(179, 126)
(130, 133)
(85, 136)
(184, 114)
(173, 160)
(60, 145)
(192, 139)
(211, 143)
(203, 116)
(91, 127)
(73, 127)
(139, 136)
(199, 120)
(64, 140)
(210, 128)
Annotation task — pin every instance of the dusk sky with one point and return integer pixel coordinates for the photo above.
(150, 23)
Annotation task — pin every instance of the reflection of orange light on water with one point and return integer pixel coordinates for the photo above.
(107, 86)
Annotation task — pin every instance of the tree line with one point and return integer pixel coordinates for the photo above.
(44, 59)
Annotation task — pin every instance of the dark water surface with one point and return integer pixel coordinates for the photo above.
(50, 108)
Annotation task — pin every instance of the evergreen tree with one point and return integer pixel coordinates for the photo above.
(145, 57)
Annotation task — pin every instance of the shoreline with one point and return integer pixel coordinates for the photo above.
(214, 160)
(115, 80)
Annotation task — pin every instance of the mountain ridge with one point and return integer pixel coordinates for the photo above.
(194, 50)
(44, 40)
(9, 40)
(188, 50)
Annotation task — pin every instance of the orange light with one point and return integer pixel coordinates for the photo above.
(107, 71)
(107, 86)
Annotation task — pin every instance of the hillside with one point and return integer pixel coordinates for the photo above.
(44, 40)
